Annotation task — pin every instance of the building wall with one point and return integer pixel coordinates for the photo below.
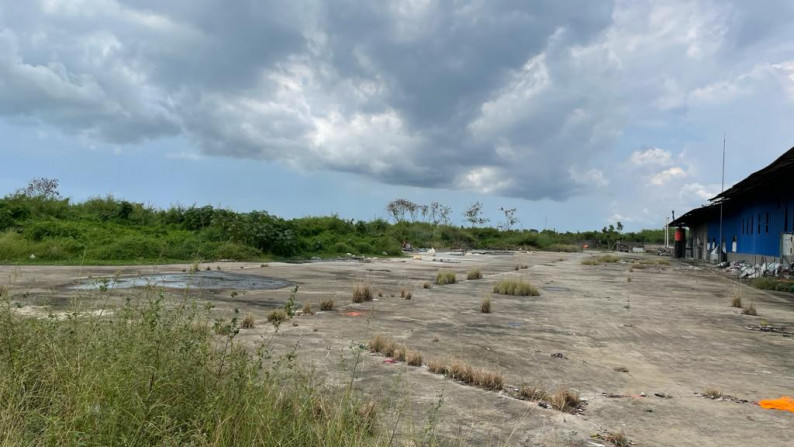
(755, 226)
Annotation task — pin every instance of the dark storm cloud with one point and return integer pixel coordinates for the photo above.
(510, 97)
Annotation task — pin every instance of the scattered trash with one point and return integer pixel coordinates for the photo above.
(785, 403)
(558, 355)
(663, 395)
(390, 361)
(769, 328)
(354, 313)
(544, 405)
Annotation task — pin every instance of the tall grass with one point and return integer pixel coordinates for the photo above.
(515, 286)
(152, 374)
(445, 277)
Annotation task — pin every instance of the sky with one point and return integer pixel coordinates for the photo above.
(578, 114)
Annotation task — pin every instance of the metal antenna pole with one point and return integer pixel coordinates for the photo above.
(722, 199)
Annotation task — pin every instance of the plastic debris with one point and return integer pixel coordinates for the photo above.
(785, 403)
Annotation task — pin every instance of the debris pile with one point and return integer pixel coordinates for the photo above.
(743, 269)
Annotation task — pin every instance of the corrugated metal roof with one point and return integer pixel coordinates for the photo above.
(777, 173)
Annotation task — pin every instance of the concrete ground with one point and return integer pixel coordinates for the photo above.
(671, 326)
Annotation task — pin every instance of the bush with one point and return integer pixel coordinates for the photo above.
(750, 310)
(565, 248)
(516, 287)
(445, 277)
(564, 399)
(277, 317)
(248, 321)
(474, 273)
(413, 358)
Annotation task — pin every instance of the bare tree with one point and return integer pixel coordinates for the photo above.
(46, 188)
(510, 217)
(473, 214)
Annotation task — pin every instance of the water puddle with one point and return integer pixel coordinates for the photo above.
(555, 289)
(199, 280)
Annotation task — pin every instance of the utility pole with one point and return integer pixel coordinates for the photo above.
(666, 232)
(722, 199)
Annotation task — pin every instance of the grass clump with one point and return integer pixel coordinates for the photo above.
(621, 369)
(362, 292)
(152, 372)
(445, 277)
(474, 273)
(776, 284)
(413, 358)
(750, 310)
(516, 287)
(408, 295)
(307, 309)
(437, 367)
(618, 439)
(327, 304)
(590, 261)
(277, 317)
(463, 372)
(530, 392)
(426, 285)
(521, 267)
(736, 301)
(248, 322)
(564, 399)
(604, 259)
(485, 305)
(565, 248)
(712, 393)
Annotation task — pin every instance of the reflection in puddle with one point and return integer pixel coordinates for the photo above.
(198, 280)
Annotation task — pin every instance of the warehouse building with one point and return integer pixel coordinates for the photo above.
(757, 218)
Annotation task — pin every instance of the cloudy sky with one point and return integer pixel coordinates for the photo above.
(577, 113)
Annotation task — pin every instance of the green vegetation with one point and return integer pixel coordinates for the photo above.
(445, 277)
(362, 292)
(473, 274)
(158, 374)
(485, 305)
(603, 259)
(38, 226)
(769, 283)
(515, 286)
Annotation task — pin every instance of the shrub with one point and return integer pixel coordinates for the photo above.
(307, 309)
(248, 321)
(327, 304)
(736, 301)
(445, 277)
(437, 367)
(474, 273)
(413, 358)
(362, 292)
(750, 310)
(485, 305)
(426, 285)
(516, 287)
(377, 343)
(564, 399)
(277, 317)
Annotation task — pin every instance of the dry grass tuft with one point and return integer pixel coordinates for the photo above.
(712, 393)
(516, 287)
(463, 372)
(426, 285)
(377, 343)
(248, 321)
(445, 277)
(277, 316)
(402, 293)
(736, 301)
(621, 369)
(530, 392)
(437, 367)
(485, 305)
(408, 295)
(750, 310)
(307, 309)
(474, 273)
(590, 261)
(327, 304)
(564, 399)
(413, 358)
(618, 439)
(362, 292)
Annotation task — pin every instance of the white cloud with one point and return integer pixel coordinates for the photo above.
(663, 177)
(698, 191)
(651, 157)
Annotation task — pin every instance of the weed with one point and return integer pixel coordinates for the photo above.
(712, 393)
(621, 369)
(327, 304)
(530, 392)
(362, 292)
(516, 287)
(426, 285)
(564, 399)
(413, 358)
(750, 310)
(277, 317)
(248, 321)
(437, 367)
(408, 295)
(618, 439)
(445, 277)
(474, 273)
(485, 305)
(736, 301)
(590, 261)
(307, 309)
(402, 293)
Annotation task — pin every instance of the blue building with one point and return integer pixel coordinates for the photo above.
(757, 218)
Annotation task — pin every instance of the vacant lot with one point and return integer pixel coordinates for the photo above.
(640, 343)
